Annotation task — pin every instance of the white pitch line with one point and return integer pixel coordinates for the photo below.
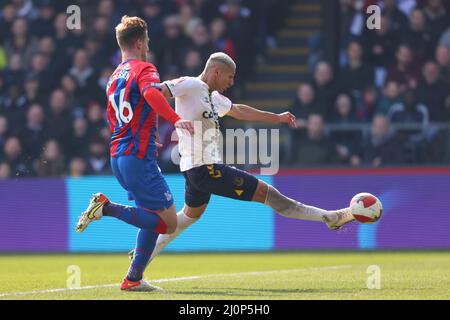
(239, 274)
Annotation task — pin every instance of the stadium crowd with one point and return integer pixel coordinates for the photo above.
(53, 80)
(388, 100)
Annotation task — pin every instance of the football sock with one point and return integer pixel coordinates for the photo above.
(183, 221)
(145, 243)
(290, 208)
(139, 217)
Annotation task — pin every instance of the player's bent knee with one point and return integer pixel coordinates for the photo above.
(171, 228)
(194, 212)
(169, 216)
(261, 192)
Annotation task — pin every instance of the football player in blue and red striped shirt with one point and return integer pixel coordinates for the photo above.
(134, 100)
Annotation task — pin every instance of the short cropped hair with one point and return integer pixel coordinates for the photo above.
(222, 58)
(129, 30)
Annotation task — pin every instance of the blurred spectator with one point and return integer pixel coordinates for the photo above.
(14, 74)
(405, 71)
(21, 41)
(43, 25)
(60, 118)
(357, 74)
(220, 38)
(315, 147)
(437, 18)
(240, 29)
(201, 42)
(381, 147)
(7, 16)
(3, 92)
(172, 47)
(96, 52)
(15, 158)
(445, 38)
(56, 67)
(106, 8)
(96, 120)
(82, 71)
(433, 92)
(77, 146)
(344, 111)
(100, 85)
(391, 95)
(39, 69)
(153, 16)
(35, 132)
(32, 92)
(304, 104)
(409, 110)
(70, 87)
(417, 36)
(365, 107)
(188, 20)
(397, 18)
(14, 105)
(3, 132)
(65, 41)
(77, 167)
(51, 162)
(438, 150)
(25, 8)
(193, 63)
(5, 171)
(380, 44)
(98, 160)
(346, 140)
(351, 21)
(105, 135)
(443, 60)
(103, 33)
(324, 87)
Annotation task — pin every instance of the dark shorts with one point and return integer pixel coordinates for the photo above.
(218, 179)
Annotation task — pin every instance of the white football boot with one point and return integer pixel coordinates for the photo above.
(343, 217)
(138, 286)
(93, 212)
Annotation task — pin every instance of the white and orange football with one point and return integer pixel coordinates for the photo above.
(366, 208)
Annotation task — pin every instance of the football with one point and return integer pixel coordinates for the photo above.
(366, 208)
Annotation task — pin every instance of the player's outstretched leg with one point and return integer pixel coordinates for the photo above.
(290, 208)
(100, 206)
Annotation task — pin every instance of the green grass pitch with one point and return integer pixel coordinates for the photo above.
(284, 275)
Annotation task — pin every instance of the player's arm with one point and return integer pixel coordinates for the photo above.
(247, 113)
(160, 105)
(165, 91)
(148, 82)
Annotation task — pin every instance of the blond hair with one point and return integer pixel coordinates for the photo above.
(129, 30)
(220, 57)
